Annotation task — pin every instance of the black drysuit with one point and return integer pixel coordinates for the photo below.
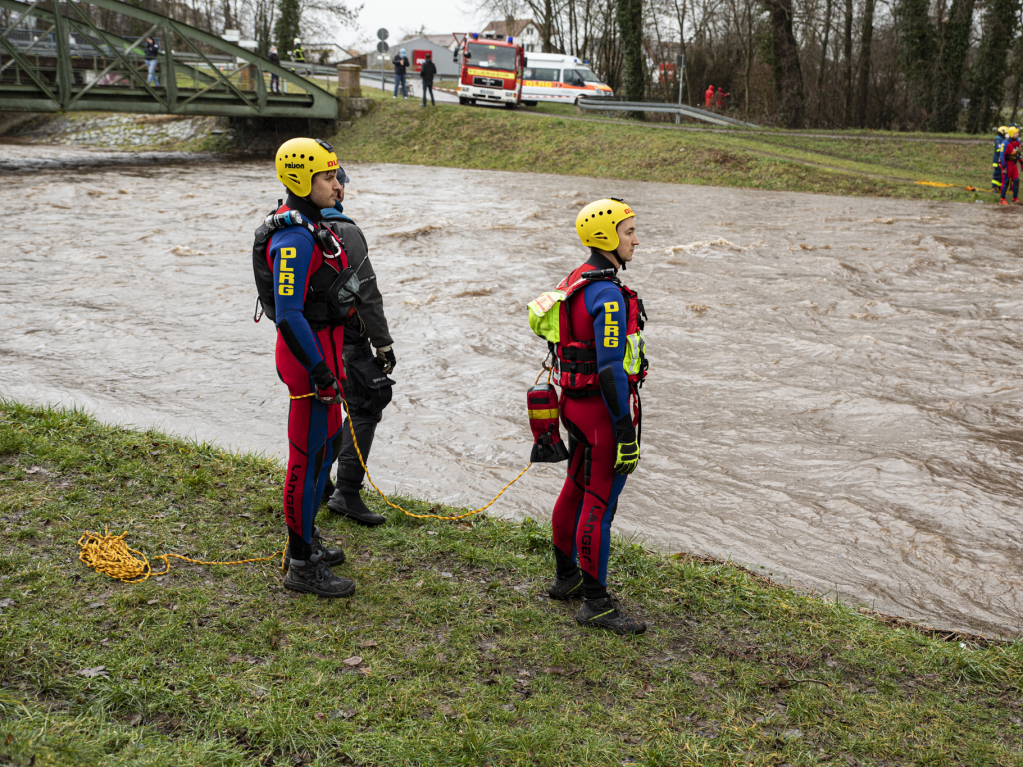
(367, 390)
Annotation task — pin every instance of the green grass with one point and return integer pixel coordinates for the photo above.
(553, 139)
(464, 659)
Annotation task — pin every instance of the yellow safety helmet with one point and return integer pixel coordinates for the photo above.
(1012, 132)
(299, 159)
(597, 223)
(1002, 130)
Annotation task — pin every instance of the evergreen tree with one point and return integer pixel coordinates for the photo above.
(954, 42)
(788, 76)
(630, 28)
(866, 41)
(987, 78)
(916, 44)
(286, 28)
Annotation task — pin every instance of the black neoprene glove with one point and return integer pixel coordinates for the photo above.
(327, 389)
(627, 446)
(386, 359)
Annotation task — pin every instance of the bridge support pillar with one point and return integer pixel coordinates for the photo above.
(348, 83)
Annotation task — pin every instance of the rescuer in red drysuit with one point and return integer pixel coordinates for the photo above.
(719, 99)
(599, 363)
(1009, 161)
(306, 262)
(708, 97)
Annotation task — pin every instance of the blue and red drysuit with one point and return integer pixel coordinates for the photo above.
(304, 352)
(996, 162)
(1008, 159)
(596, 420)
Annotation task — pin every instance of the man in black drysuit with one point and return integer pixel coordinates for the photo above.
(367, 388)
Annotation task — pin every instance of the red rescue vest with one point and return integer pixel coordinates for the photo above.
(575, 360)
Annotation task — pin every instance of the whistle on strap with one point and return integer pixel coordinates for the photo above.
(543, 422)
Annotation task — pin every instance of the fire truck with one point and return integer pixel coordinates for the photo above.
(491, 71)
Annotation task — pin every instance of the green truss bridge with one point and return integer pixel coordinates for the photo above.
(62, 60)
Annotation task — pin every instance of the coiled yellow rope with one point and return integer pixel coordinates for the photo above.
(109, 554)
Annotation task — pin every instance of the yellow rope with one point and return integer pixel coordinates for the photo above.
(109, 554)
(387, 500)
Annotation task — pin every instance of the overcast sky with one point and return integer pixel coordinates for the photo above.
(398, 16)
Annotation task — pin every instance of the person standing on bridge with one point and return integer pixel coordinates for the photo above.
(401, 65)
(367, 387)
(275, 81)
(151, 56)
(426, 74)
(600, 361)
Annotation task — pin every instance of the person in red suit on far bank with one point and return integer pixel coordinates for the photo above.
(1009, 160)
(719, 100)
(708, 97)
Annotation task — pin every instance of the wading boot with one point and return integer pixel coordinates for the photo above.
(316, 577)
(328, 490)
(346, 502)
(570, 587)
(332, 556)
(606, 613)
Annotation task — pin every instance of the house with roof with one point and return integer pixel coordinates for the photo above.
(440, 47)
(524, 32)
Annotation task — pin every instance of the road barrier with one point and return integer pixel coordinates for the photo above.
(613, 105)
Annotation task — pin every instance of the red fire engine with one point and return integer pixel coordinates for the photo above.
(491, 70)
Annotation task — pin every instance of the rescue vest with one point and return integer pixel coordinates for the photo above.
(575, 360)
(332, 295)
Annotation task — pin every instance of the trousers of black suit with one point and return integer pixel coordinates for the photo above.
(364, 418)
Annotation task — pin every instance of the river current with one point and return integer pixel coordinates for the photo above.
(833, 396)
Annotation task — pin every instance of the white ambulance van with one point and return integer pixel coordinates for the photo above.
(559, 78)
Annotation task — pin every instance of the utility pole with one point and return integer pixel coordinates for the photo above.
(680, 68)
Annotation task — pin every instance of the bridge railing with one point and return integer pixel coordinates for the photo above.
(68, 63)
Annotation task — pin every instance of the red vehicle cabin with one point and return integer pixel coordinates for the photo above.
(491, 71)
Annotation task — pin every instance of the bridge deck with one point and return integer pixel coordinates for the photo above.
(70, 64)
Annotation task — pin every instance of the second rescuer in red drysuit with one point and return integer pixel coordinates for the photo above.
(305, 285)
(599, 363)
(1009, 161)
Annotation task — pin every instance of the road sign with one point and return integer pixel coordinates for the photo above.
(382, 33)
(382, 47)
(680, 61)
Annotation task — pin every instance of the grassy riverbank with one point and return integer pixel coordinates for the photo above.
(525, 140)
(449, 654)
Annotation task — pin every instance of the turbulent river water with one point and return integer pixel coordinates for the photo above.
(834, 392)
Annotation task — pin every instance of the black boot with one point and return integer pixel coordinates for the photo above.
(566, 588)
(314, 576)
(328, 490)
(347, 502)
(332, 556)
(606, 613)
(568, 578)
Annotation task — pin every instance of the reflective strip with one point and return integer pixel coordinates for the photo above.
(543, 414)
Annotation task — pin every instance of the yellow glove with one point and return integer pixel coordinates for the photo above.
(628, 457)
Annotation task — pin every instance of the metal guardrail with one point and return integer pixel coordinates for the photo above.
(609, 105)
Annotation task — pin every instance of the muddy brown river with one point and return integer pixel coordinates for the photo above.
(834, 392)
